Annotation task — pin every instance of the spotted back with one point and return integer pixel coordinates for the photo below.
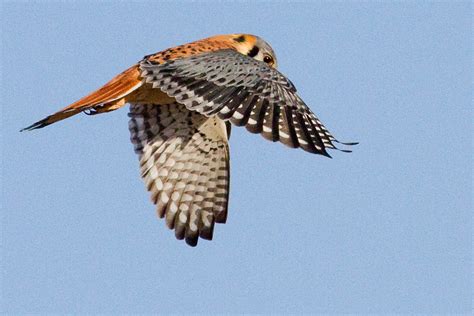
(190, 49)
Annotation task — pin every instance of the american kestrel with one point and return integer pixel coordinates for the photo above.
(182, 103)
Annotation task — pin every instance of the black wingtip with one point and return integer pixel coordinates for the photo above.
(192, 241)
(347, 144)
(345, 150)
(39, 124)
(324, 153)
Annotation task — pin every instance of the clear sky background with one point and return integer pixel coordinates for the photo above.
(387, 228)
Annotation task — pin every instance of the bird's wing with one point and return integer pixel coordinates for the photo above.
(245, 91)
(184, 160)
(109, 97)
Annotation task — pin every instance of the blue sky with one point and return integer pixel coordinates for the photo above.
(386, 229)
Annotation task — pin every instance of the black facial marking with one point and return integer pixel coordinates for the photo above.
(253, 52)
(240, 39)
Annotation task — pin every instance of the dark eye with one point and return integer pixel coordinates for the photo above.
(268, 59)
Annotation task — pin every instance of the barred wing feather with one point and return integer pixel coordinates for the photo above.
(244, 91)
(184, 160)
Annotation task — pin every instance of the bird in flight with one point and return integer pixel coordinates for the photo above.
(183, 101)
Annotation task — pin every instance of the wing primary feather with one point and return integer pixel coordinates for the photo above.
(227, 110)
(239, 114)
(321, 149)
(306, 141)
(347, 144)
(255, 121)
(230, 105)
(225, 82)
(285, 128)
(267, 122)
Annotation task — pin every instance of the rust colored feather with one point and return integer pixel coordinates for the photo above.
(111, 96)
(201, 46)
(128, 86)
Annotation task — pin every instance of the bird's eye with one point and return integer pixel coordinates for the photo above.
(268, 59)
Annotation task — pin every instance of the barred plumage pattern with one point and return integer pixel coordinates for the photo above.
(184, 160)
(244, 91)
(182, 103)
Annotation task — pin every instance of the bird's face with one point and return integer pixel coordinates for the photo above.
(252, 46)
(255, 47)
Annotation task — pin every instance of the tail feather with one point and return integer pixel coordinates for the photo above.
(109, 97)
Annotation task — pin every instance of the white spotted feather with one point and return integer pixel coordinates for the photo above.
(184, 161)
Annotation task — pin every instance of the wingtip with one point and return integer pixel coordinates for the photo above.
(346, 144)
(325, 153)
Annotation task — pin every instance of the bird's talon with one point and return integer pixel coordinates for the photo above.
(90, 112)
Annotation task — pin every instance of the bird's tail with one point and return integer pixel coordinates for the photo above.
(108, 98)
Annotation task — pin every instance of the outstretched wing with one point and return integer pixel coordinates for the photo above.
(184, 160)
(245, 91)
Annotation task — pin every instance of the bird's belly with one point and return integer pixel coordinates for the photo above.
(147, 94)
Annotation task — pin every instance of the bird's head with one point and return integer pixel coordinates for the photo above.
(252, 46)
